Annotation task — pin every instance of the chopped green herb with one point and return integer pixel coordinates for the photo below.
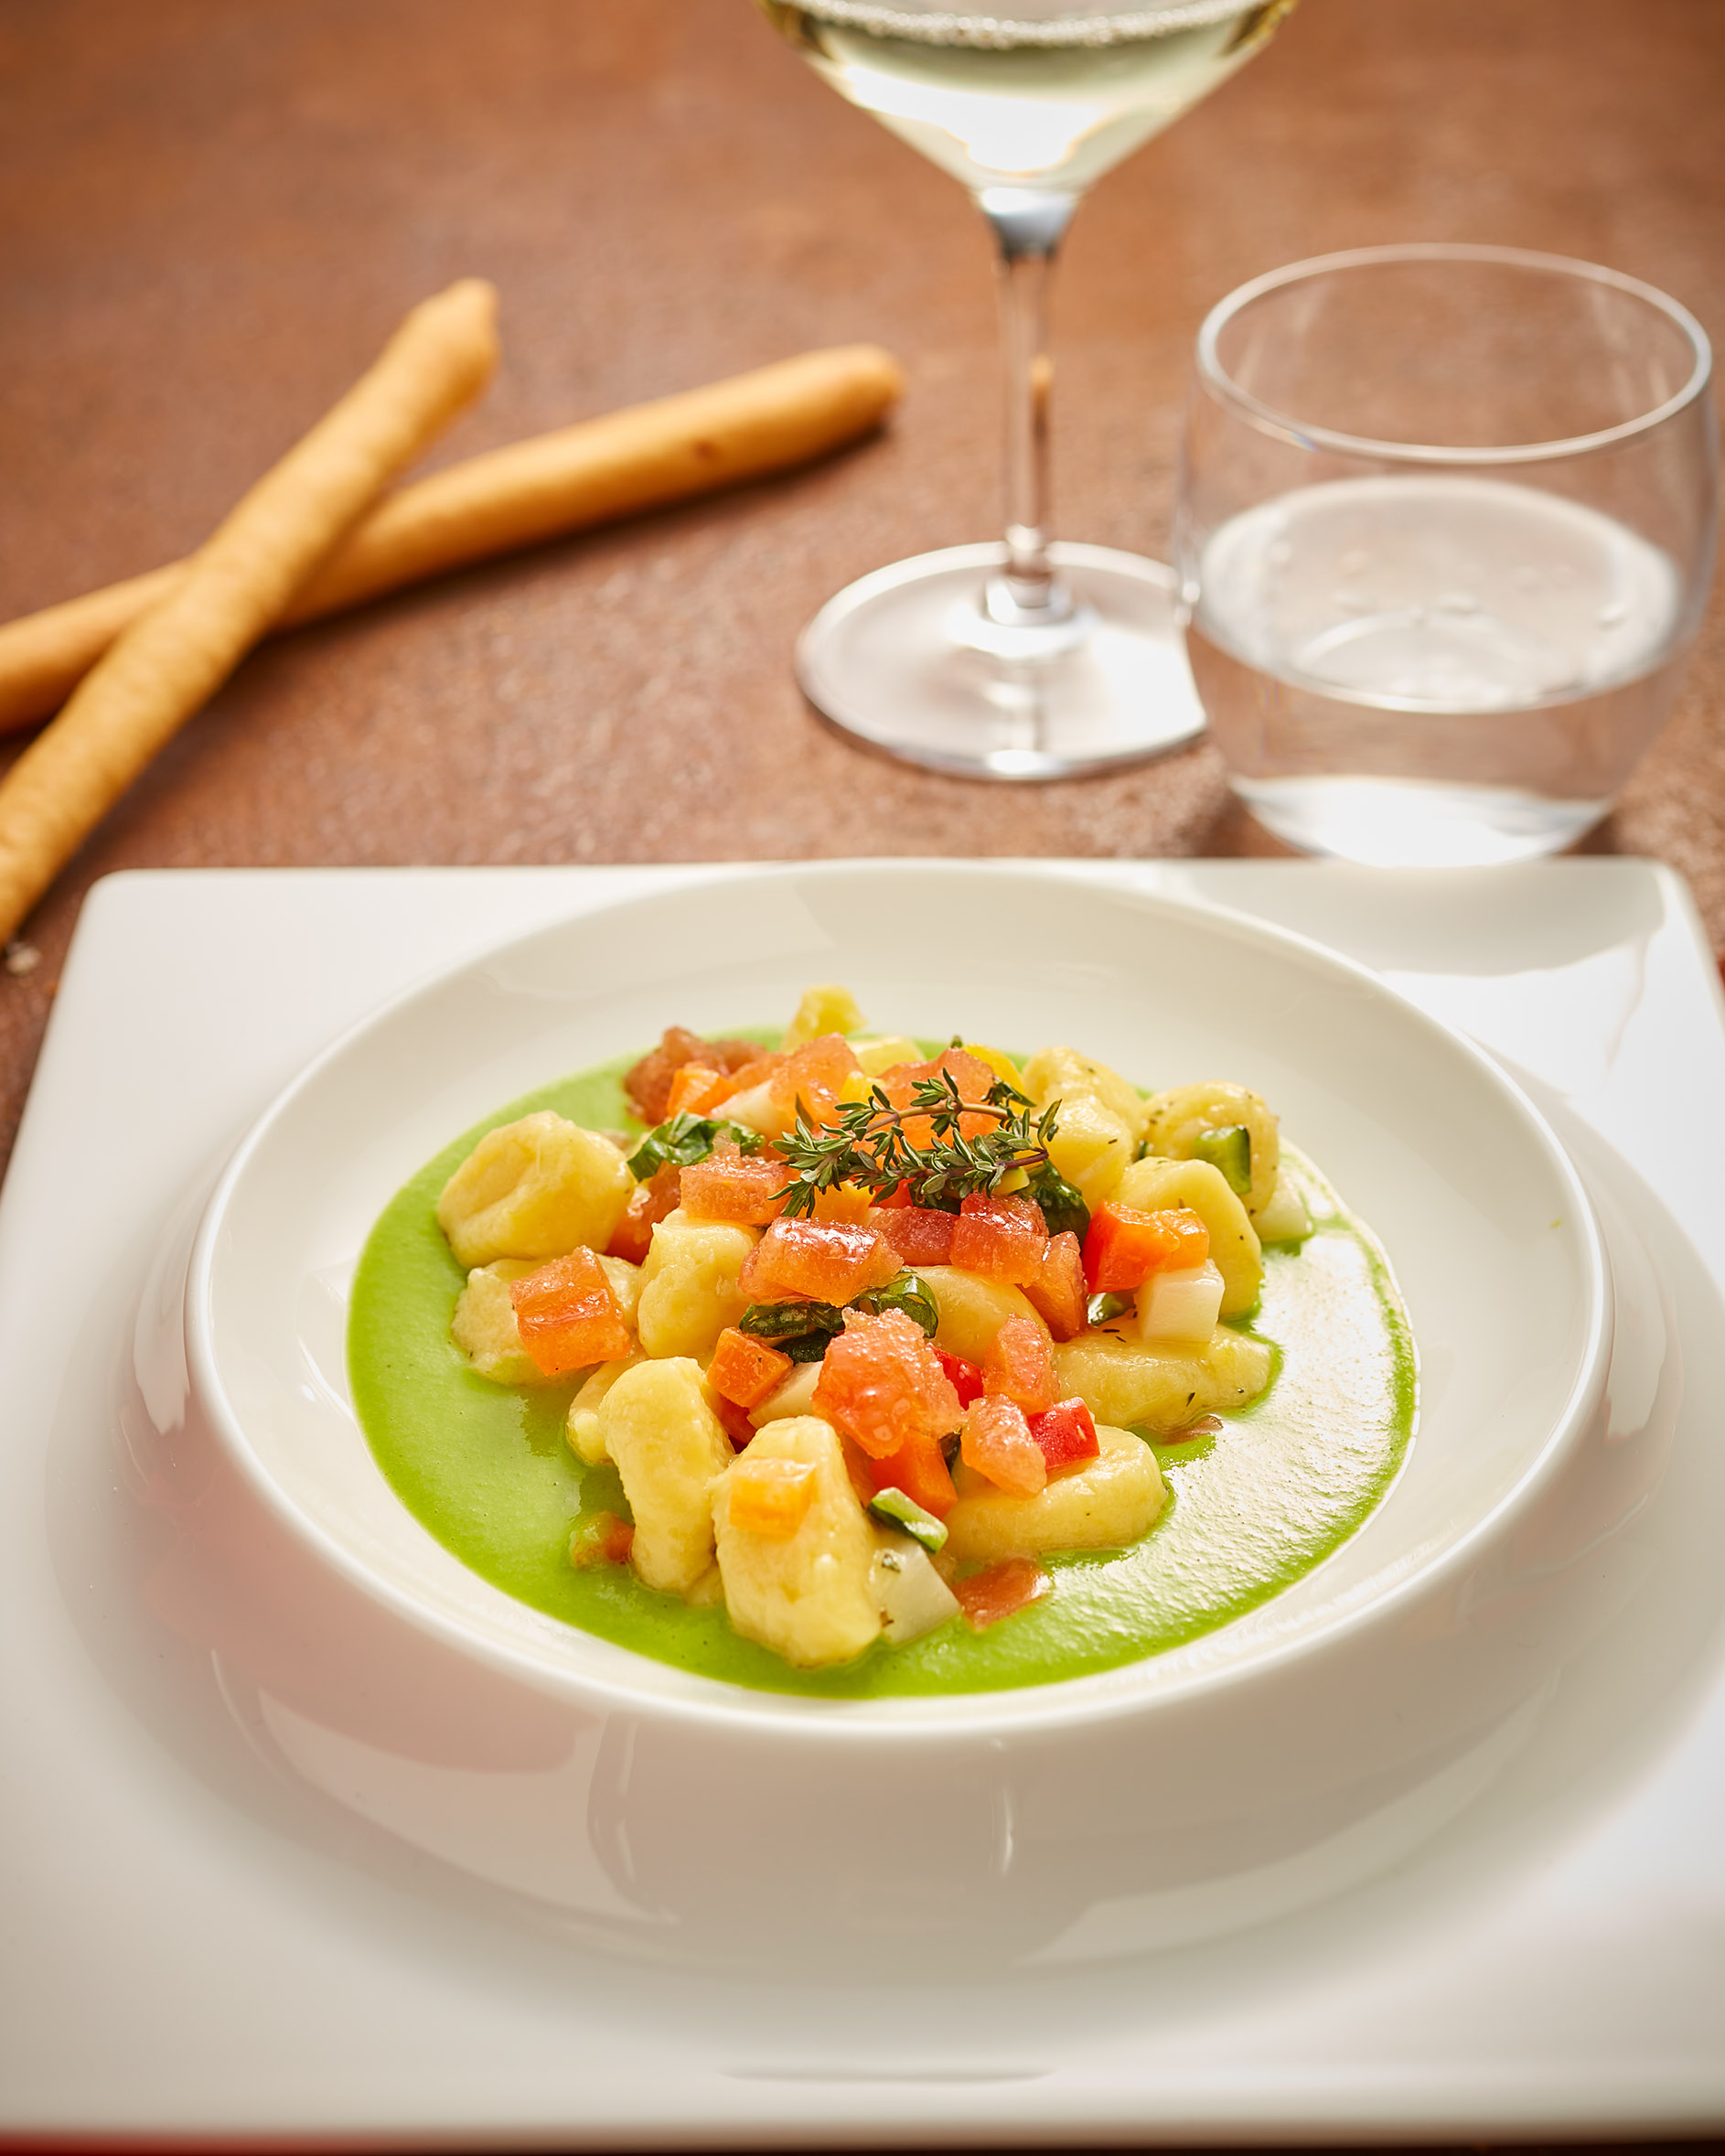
(905, 1293)
(1062, 1209)
(684, 1141)
(893, 1509)
(1102, 1309)
(1229, 1150)
(779, 1322)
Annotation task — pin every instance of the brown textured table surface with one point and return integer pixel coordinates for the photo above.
(212, 211)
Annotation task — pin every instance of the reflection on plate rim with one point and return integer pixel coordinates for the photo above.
(910, 1720)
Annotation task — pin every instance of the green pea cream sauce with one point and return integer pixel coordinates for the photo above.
(487, 1472)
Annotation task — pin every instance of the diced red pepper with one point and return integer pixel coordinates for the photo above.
(1000, 1592)
(826, 1260)
(734, 1420)
(1125, 1246)
(648, 1204)
(919, 1469)
(921, 1235)
(1003, 1239)
(746, 1370)
(1020, 1365)
(967, 1380)
(1058, 1295)
(567, 1316)
(1065, 1433)
(730, 1184)
(882, 1384)
(997, 1442)
(694, 1089)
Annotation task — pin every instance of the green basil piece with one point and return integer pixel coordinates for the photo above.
(1062, 1210)
(1101, 1309)
(784, 1322)
(905, 1292)
(684, 1140)
(1229, 1150)
(893, 1509)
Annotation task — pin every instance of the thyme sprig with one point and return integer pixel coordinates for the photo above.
(866, 1143)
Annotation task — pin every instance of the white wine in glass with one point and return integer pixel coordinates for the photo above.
(1026, 659)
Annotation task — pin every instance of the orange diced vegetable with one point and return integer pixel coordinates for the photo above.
(972, 1077)
(1000, 1592)
(919, 1469)
(603, 1540)
(734, 1420)
(771, 1496)
(1020, 1365)
(567, 1316)
(694, 1089)
(746, 1076)
(1125, 1246)
(648, 1085)
(1003, 1239)
(746, 1370)
(826, 1260)
(882, 1385)
(648, 1204)
(730, 1184)
(813, 1077)
(997, 1442)
(1058, 1295)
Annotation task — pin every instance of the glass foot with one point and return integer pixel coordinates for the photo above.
(908, 660)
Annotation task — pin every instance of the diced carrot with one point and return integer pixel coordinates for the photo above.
(746, 1370)
(1020, 1365)
(919, 1469)
(967, 1380)
(1066, 1434)
(997, 1442)
(848, 1202)
(827, 1260)
(648, 1204)
(1057, 1294)
(1125, 1246)
(1003, 1239)
(567, 1316)
(730, 1184)
(771, 1497)
(603, 1540)
(882, 1384)
(694, 1089)
(734, 1420)
(921, 1235)
(1000, 1592)
(648, 1085)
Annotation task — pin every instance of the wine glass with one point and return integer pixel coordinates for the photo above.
(1029, 659)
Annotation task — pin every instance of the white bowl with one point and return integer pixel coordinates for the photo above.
(686, 1815)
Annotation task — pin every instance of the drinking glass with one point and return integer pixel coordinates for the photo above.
(1445, 530)
(1028, 659)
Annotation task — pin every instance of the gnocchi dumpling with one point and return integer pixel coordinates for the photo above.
(689, 1285)
(1162, 1388)
(1158, 1185)
(808, 1595)
(1101, 1119)
(1109, 1501)
(669, 1449)
(972, 1310)
(537, 1188)
(1178, 1118)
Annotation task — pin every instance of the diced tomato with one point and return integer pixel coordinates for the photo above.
(967, 1380)
(648, 1204)
(1125, 1246)
(770, 1497)
(814, 1075)
(1003, 1239)
(567, 1316)
(747, 1075)
(648, 1085)
(746, 1370)
(921, 1235)
(603, 1540)
(730, 1184)
(1000, 1592)
(694, 1089)
(734, 1420)
(826, 1260)
(1020, 1365)
(882, 1384)
(919, 1469)
(997, 1442)
(1067, 1434)
(1057, 1294)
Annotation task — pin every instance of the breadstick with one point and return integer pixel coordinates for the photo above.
(639, 458)
(161, 668)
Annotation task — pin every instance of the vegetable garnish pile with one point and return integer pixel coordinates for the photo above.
(863, 1350)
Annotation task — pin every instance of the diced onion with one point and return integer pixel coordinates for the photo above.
(910, 1594)
(1181, 1305)
(795, 1396)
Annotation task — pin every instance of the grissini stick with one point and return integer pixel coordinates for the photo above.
(640, 458)
(161, 668)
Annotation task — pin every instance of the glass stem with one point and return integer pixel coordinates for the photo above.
(1028, 227)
